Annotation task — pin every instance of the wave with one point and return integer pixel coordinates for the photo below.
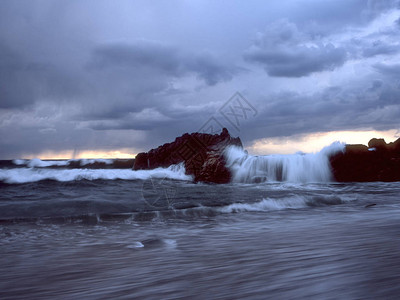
(84, 162)
(38, 163)
(194, 212)
(295, 202)
(25, 175)
(299, 167)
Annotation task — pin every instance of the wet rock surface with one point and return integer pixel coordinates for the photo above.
(378, 161)
(201, 153)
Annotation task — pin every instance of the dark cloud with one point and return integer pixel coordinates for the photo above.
(168, 60)
(382, 42)
(375, 7)
(128, 80)
(207, 67)
(24, 81)
(284, 51)
(118, 86)
(390, 70)
(381, 48)
(298, 62)
(21, 81)
(357, 105)
(353, 11)
(83, 74)
(17, 86)
(143, 54)
(116, 71)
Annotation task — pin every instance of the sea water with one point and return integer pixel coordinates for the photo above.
(282, 229)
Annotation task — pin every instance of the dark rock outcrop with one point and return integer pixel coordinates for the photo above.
(201, 153)
(377, 162)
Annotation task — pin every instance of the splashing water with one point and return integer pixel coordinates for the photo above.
(302, 168)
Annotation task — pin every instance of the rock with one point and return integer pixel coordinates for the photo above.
(395, 146)
(377, 144)
(213, 169)
(201, 153)
(359, 163)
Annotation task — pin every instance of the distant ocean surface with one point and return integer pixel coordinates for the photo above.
(283, 229)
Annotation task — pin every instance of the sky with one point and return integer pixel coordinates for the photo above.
(93, 78)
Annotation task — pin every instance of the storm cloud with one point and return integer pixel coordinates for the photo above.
(98, 76)
(284, 51)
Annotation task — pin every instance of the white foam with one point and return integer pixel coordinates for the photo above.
(136, 245)
(266, 205)
(294, 202)
(38, 163)
(24, 175)
(299, 167)
(19, 162)
(84, 162)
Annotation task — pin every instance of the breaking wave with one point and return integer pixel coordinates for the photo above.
(304, 168)
(194, 212)
(25, 175)
(295, 202)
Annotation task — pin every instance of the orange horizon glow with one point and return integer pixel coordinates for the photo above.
(314, 142)
(280, 145)
(87, 154)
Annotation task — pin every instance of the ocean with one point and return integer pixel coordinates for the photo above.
(282, 229)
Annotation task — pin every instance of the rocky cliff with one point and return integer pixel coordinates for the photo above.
(203, 157)
(378, 161)
(201, 153)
